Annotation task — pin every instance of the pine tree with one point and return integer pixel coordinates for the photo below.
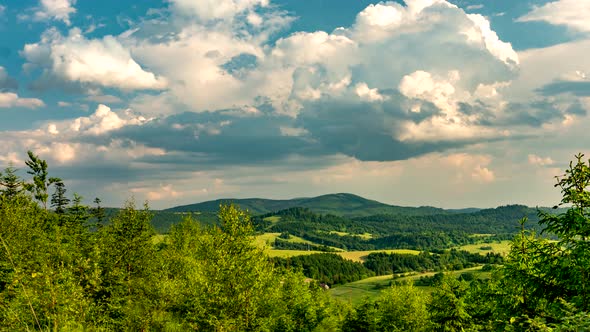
(12, 184)
(59, 201)
(41, 182)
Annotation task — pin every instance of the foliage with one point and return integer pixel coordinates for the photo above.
(41, 181)
(331, 269)
(76, 268)
(400, 308)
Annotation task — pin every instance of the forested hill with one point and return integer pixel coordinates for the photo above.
(341, 204)
(395, 231)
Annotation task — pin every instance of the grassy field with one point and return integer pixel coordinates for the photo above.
(273, 219)
(502, 248)
(289, 253)
(364, 236)
(360, 256)
(357, 256)
(370, 288)
(267, 239)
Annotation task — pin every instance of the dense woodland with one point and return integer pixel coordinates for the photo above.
(66, 266)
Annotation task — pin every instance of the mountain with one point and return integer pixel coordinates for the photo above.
(341, 204)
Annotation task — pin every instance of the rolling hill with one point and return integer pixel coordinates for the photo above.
(342, 204)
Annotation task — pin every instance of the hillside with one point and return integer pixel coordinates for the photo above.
(342, 204)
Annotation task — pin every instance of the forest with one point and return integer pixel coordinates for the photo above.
(66, 266)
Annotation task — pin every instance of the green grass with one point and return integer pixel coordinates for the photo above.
(159, 238)
(273, 219)
(364, 236)
(502, 248)
(356, 256)
(267, 239)
(289, 253)
(370, 288)
(361, 256)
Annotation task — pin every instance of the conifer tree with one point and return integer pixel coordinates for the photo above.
(12, 184)
(59, 201)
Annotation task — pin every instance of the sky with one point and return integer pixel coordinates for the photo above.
(458, 103)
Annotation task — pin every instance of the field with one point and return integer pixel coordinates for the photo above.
(369, 288)
(364, 236)
(502, 248)
(359, 256)
(267, 239)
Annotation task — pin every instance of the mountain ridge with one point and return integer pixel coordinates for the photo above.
(343, 204)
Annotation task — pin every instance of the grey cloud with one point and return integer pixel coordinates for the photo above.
(220, 138)
(240, 65)
(364, 131)
(577, 88)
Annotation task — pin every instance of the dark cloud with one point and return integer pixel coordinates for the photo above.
(534, 114)
(365, 131)
(240, 65)
(576, 88)
(219, 138)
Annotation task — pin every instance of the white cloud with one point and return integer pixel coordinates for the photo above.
(312, 66)
(482, 32)
(483, 174)
(9, 99)
(438, 128)
(59, 10)
(2, 9)
(193, 64)
(540, 161)
(365, 93)
(63, 152)
(216, 9)
(104, 62)
(52, 129)
(423, 85)
(571, 13)
(102, 121)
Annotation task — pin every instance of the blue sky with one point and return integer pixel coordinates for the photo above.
(420, 102)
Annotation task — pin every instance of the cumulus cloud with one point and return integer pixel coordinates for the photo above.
(571, 13)
(193, 64)
(483, 33)
(10, 99)
(540, 161)
(483, 174)
(422, 85)
(364, 92)
(216, 9)
(101, 62)
(59, 10)
(102, 121)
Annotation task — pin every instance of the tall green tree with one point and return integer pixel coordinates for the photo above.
(41, 179)
(98, 212)
(59, 201)
(573, 230)
(12, 183)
